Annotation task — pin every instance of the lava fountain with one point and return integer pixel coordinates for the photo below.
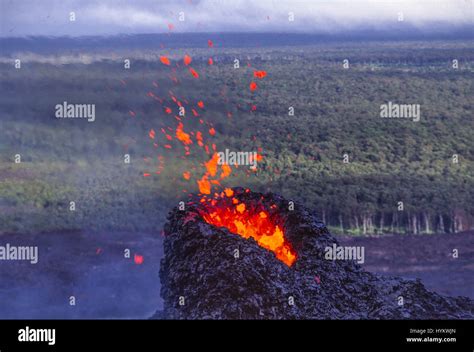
(248, 220)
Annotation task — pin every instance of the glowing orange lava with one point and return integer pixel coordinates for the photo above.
(247, 222)
(181, 135)
(194, 72)
(260, 74)
(165, 61)
(187, 60)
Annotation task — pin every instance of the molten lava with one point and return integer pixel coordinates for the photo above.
(248, 221)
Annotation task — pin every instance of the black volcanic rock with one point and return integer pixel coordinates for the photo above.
(199, 271)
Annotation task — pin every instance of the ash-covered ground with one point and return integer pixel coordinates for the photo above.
(203, 279)
(427, 257)
(91, 266)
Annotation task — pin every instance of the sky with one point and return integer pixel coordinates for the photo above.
(109, 17)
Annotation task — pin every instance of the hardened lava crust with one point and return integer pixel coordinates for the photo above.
(209, 272)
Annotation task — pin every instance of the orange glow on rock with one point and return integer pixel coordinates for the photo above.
(249, 221)
(240, 208)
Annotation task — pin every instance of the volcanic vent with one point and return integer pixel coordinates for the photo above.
(246, 255)
(249, 220)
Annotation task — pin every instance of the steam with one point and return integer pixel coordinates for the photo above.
(106, 17)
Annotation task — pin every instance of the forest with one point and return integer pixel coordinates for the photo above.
(315, 117)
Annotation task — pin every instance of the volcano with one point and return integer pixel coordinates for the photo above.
(248, 255)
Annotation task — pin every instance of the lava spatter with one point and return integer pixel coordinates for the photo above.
(248, 220)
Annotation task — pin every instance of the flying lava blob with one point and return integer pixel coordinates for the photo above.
(187, 60)
(260, 74)
(164, 60)
(180, 138)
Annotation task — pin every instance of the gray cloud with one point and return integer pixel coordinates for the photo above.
(51, 17)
